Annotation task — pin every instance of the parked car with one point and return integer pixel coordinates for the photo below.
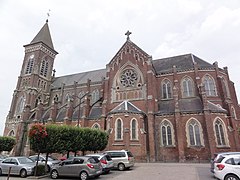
(227, 167)
(106, 161)
(2, 157)
(21, 166)
(42, 158)
(219, 155)
(82, 166)
(122, 159)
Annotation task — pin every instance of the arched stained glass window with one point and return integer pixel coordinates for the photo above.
(166, 133)
(118, 129)
(219, 130)
(166, 89)
(209, 85)
(187, 87)
(194, 133)
(134, 124)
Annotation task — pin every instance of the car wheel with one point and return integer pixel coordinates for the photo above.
(107, 172)
(0, 171)
(54, 174)
(231, 177)
(121, 167)
(23, 173)
(83, 175)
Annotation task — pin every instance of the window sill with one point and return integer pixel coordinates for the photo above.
(223, 147)
(168, 146)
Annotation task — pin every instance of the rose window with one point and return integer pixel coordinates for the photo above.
(128, 78)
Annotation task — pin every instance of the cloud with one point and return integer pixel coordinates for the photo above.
(87, 34)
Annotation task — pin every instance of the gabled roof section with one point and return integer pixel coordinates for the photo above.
(182, 63)
(132, 45)
(43, 36)
(124, 107)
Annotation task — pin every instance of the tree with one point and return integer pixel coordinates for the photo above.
(37, 138)
(7, 143)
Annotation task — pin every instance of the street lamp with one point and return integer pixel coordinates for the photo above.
(79, 105)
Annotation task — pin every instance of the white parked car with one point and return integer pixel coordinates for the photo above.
(227, 167)
(219, 155)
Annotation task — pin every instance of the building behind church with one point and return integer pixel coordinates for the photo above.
(172, 109)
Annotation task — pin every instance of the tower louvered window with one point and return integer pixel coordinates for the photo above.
(44, 67)
(29, 67)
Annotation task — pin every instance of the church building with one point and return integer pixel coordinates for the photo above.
(171, 109)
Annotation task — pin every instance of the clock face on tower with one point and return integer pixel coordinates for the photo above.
(32, 56)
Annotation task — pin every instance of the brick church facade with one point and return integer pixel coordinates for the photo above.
(172, 109)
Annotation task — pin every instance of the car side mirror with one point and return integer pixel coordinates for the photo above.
(16, 163)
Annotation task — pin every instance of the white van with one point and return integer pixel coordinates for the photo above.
(122, 159)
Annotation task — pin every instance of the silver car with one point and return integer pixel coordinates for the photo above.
(42, 158)
(21, 166)
(82, 167)
(106, 161)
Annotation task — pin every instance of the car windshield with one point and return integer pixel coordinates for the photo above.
(24, 160)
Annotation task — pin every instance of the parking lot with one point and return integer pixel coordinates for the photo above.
(152, 171)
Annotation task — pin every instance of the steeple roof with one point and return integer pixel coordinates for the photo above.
(43, 36)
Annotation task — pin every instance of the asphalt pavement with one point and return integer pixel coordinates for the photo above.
(151, 171)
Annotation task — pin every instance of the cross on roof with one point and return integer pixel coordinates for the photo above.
(48, 15)
(128, 34)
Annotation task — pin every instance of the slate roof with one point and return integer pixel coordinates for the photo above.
(95, 113)
(94, 76)
(182, 63)
(125, 107)
(43, 36)
(187, 105)
(161, 66)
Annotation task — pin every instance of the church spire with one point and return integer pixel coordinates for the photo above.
(44, 36)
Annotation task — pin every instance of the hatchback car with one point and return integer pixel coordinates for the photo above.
(82, 167)
(219, 155)
(122, 159)
(227, 167)
(106, 161)
(21, 166)
(42, 158)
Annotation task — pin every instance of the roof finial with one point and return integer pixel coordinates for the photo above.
(48, 15)
(128, 34)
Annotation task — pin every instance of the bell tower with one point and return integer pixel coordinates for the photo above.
(33, 85)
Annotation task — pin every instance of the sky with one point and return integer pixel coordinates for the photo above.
(87, 34)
